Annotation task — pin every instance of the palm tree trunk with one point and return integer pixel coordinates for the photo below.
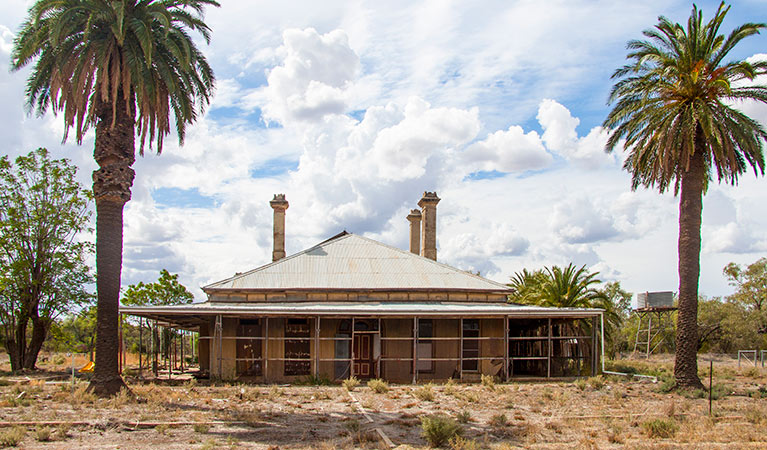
(690, 208)
(114, 152)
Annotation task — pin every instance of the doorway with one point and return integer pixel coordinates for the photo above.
(364, 363)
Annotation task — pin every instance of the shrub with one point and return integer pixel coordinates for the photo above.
(596, 383)
(43, 434)
(498, 421)
(424, 393)
(201, 428)
(463, 416)
(62, 432)
(580, 383)
(11, 437)
(660, 428)
(438, 429)
(459, 443)
(351, 383)
(378, 386)
(488, 381)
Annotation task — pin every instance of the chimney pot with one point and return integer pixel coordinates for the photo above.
(279, 204)
(428, 204)
(415, 230)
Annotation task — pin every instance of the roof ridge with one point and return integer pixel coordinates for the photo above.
(342, 235)
(346, 235)
(432, 261)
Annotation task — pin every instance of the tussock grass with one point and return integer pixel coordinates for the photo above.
(11, 437)
(463, 416)
(43, 434)
(378, 386)
(201, 428)
(460, 443)
(488, 381)
(438, 429)
(424, 393)
(498, 421)
(351, 383)
(660, 428)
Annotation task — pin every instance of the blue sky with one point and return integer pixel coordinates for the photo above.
(353, 109)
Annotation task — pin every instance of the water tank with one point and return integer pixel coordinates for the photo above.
(647, 300)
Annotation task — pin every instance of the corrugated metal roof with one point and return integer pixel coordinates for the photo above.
(391, 309)
(351, 262)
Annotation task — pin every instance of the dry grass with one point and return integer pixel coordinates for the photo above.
(609, 412)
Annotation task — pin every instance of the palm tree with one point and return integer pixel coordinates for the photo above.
(674, 106)
(124, 67)
(570, 287)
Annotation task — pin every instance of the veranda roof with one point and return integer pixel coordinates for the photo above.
(196, 313)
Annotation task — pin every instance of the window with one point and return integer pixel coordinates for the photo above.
(470, 350)
(297, 348)
(425, 346)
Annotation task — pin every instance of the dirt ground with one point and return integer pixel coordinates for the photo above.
(600, 412)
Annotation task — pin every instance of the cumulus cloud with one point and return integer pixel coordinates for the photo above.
(560, 136)
(312, 79)
(579, 221)
(732, 238)
(510, 150)
(475, 252)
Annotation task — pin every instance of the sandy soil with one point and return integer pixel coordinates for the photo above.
(612, 412)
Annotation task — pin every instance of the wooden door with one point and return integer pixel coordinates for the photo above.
(364, 365)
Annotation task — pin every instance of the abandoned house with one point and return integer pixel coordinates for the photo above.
(351, 306)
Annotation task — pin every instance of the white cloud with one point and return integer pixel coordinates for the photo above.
(512, 150)
(311, 82)
(579, 221)
(475, 252)
(383, 102)
(561, 137)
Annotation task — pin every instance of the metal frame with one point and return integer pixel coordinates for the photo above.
(317, 358)
(743, 353)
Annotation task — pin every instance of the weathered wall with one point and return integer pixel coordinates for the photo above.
(492, 348)
(203, 349)
(397, 371)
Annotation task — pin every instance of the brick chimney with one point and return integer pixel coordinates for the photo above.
(415, 231)
(279, 205)
(428, 204)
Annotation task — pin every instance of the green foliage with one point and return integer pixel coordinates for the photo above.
(165, 291)
(750, 283)
(131, 53)
(673, 100)
(617, 305)
(43, 212)
(438, 429)
(726, 327)
(378, 386)
(660, 428)
(75, 332)
(570, 287)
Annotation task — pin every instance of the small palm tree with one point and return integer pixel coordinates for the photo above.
(674, 107)
(125, 68)
(570, 287)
